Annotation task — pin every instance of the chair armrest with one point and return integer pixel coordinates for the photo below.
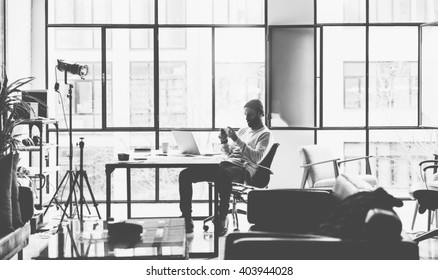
(320, 162)
(242, 187)
(259, 166)
(354, 159)
(428, 161)
(429, 167)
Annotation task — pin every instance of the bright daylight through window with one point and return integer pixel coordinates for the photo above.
(357, 75)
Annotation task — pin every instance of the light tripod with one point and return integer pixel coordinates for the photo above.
(80, 178)
(70, 178)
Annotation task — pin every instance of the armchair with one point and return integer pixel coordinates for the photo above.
(260, 180)
(321, 167)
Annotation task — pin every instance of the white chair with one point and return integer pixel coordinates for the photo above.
(321, 167)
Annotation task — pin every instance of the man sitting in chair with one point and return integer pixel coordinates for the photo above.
(249, 146)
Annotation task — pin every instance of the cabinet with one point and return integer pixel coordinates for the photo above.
(40, 162)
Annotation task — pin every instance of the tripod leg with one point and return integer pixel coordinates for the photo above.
(74, 193)
(91, 194)
(56, 193)
(64, 212)
(69, 199)
(82, 199)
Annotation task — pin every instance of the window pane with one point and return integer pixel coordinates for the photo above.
(141, 11)
(403, 10)
(101, 11)
(175, 11)
(81, 38)
(101, 148)
(345, 145)
(211, 11)
(292, 76)
(240, 73)
(397, 154)
(429, 74)
(283, 12)
(339, 11)
(87, 93)
(239, 11)
(393, 76)
(344, 76)
(185, 80)
(132, 104)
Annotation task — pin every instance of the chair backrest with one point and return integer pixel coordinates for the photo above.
(317, 153)
(262, 176)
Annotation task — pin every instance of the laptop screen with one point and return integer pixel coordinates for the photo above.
(186, 142)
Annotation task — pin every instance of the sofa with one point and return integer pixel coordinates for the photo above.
(319, 224)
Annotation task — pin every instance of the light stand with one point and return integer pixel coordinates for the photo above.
(70, 176)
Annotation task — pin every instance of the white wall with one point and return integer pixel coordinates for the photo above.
(18, 39)
(287, 162)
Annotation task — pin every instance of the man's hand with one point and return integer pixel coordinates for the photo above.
(232, 134)
(223, 137)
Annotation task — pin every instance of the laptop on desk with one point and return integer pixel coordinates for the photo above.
(187, 144)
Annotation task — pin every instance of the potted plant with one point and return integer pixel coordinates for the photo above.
(12, 108)
(11, 105)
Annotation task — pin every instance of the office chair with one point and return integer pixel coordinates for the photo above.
(260, 180)
(427, 199)
(321, 167)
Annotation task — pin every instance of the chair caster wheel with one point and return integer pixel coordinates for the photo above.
(205, 228)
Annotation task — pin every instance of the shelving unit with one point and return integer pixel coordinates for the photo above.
(42, 171)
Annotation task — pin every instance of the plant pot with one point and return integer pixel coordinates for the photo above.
(5, 195)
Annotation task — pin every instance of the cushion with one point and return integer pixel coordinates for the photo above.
(325, 183)
(370, 179)
(348, 219)
(347, 185)
(5, 195)
(16, 213)
(382, 225)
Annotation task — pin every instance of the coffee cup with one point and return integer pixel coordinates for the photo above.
(123, 156)
(165, 147)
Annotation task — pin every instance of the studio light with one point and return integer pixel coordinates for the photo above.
(73, 68)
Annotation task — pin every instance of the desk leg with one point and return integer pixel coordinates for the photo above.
(210, 199)
(215, 234)
(128, 189)
(108, 193)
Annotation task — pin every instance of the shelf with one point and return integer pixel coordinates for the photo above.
(39, 121)
(36, 148)
(34, 171)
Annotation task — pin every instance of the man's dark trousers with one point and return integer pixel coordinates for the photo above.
(222, 176)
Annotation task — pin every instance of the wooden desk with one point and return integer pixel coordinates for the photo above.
(170, 161)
